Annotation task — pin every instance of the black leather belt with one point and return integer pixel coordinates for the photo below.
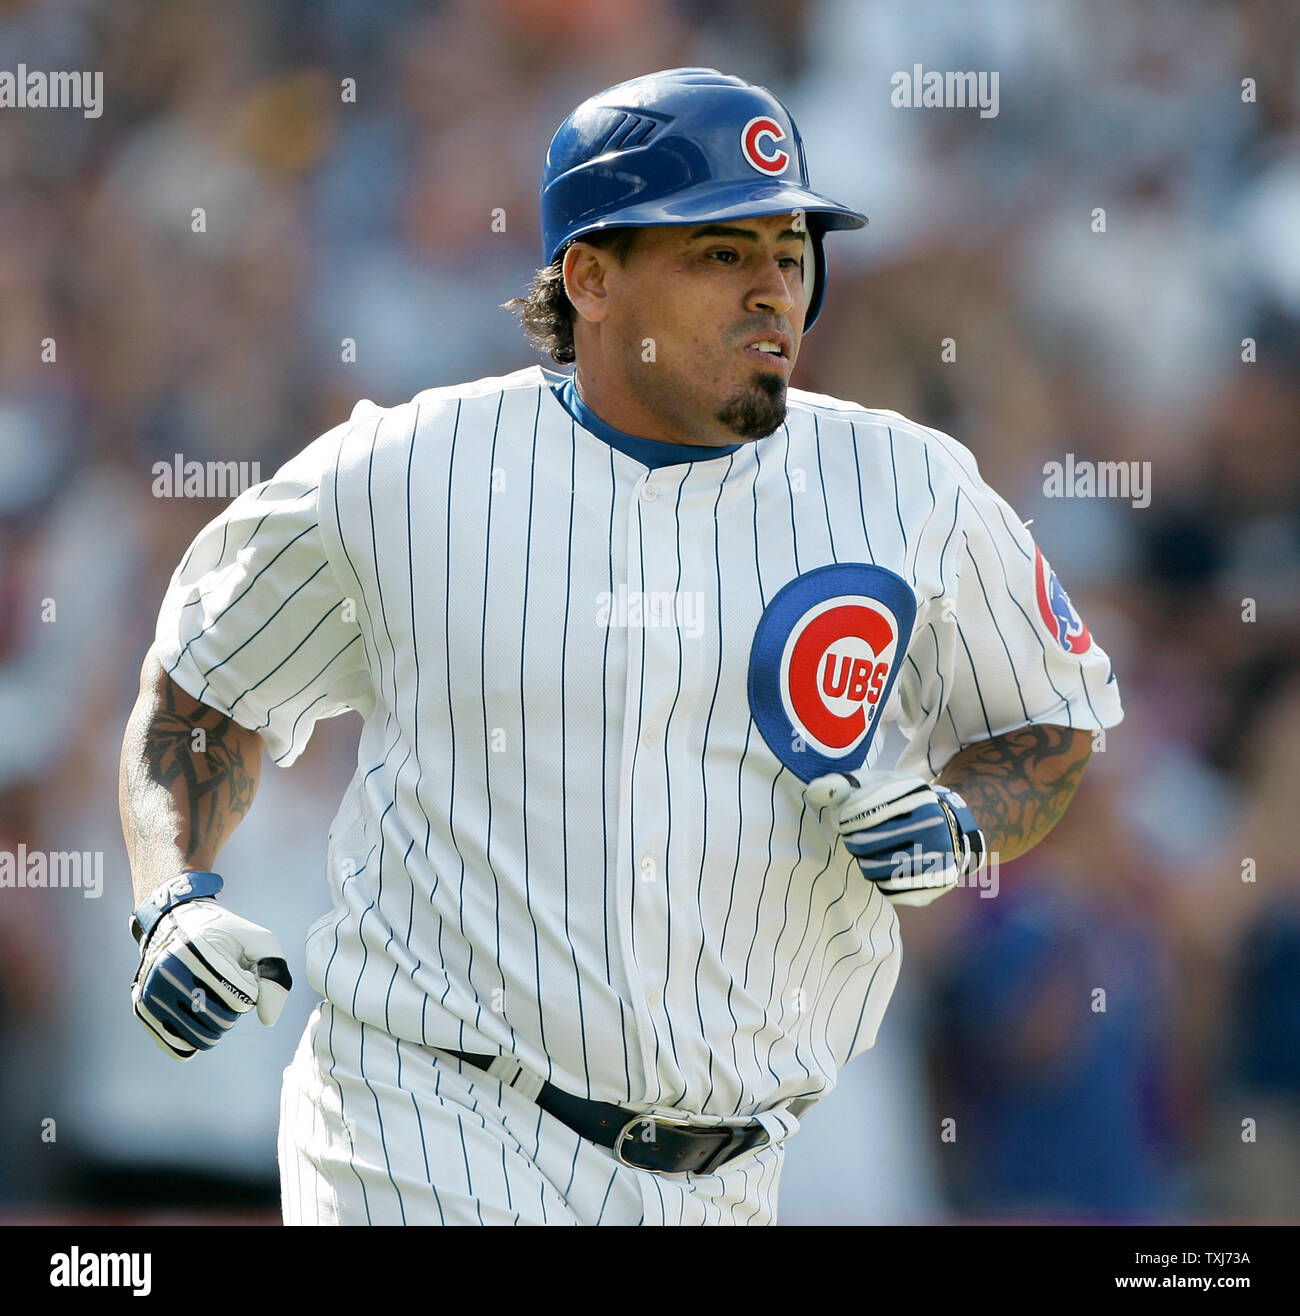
(662, 1145)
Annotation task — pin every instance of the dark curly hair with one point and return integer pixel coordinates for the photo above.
(546, 314)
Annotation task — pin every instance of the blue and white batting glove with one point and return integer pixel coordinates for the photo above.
(914, 839)
(202, 967)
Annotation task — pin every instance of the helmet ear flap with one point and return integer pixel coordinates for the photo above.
(809, 264)
(817, 284)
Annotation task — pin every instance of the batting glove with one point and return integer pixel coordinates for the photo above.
(913, 839)
(201, 967)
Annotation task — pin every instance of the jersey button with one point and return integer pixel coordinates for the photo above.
(650, 737)
(649, 493)
(654, 998)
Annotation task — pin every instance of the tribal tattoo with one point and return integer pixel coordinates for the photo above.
(1018, 785)
(190, 774)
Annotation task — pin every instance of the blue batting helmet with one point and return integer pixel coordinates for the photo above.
(685, 146)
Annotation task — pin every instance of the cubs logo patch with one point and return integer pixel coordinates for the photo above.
(823, 662)
(1058, 613)
(760, 144)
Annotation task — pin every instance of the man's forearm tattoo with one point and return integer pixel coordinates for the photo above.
(200, 752)
(1018, 785)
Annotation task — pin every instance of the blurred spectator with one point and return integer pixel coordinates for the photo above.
(1060, 1094)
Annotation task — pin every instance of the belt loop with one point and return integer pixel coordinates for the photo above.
(506, 1068)
(779, 1122)
(514, 1075)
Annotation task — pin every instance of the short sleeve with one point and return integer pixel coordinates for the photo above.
(254, 622)
(1002, 646)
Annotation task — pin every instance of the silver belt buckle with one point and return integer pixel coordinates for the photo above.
(626, 1133)
(734, 1137)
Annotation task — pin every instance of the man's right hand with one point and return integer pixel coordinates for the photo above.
(202, 967)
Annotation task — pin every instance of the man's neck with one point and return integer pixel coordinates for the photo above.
(649, 452)
(617, 409)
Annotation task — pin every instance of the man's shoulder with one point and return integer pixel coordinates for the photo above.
(878, 425)
(432, 400)
(373, 426)
(822, 406)
(525, 379)
(349, 451)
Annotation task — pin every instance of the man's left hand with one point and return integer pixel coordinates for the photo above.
(913, 839)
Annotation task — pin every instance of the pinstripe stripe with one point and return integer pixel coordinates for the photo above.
(607, 898)
(367, 631)
(726, 923)
(379, 1118)
(634, 863)
(785, 467)
(605, 1200)
(704, 789)
(424, 1146)
(573, 1169)
(663, 1206)
(867, 1002)
(862, 494)
(772, 995)
(564, 758)
(821, 479)
(1087, 695)
(523, 747)
(487, 737)
(993, 620)
(469, 1178)
(898, 502)
(537, 1156)
(668, 799)
(451, 766)
(365, 1197)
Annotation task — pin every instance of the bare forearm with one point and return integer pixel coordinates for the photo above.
(188, 776)
(1019, 785)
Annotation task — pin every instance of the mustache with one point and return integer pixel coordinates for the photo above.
(777, 328)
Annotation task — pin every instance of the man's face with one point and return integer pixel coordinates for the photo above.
(693, 315)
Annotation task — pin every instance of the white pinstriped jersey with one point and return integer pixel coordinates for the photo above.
(565, 839)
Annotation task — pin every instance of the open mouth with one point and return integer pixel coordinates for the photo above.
(768, 351)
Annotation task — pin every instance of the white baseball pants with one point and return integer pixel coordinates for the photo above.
(378, 1131)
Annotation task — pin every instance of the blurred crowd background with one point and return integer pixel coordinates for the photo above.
(328, 219)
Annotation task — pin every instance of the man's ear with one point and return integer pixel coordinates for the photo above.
(585, 269)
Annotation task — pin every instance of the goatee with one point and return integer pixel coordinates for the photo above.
(756, 411)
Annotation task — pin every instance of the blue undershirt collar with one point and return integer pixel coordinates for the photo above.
(653, 453)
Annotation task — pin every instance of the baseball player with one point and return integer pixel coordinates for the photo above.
(615, 884)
